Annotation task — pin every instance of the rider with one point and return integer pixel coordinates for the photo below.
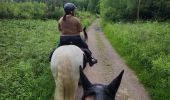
(70, 28)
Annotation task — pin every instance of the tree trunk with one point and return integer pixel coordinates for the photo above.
(138, 11)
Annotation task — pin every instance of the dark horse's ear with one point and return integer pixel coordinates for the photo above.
(114, 85)
(85, 82)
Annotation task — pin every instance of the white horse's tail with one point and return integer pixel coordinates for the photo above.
(66, 83)
(65, 64)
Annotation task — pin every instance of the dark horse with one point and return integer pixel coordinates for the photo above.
(99, 91)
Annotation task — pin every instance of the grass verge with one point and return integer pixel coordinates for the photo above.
(146, 49)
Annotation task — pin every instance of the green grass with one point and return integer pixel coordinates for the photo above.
(24, 66)
(146, 49)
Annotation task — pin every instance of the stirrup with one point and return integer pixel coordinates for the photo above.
(92, 62)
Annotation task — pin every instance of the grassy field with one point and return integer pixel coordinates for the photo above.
(146, 48)
(24, 66)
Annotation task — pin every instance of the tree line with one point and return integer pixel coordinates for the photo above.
(135, 9)
(112, 10)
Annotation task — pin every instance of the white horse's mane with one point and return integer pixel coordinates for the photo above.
(65, 64)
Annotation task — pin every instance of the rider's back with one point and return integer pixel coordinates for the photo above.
(70, 26)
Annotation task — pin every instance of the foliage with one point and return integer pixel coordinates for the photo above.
(118, 10)
(93, 6)
(22, 10)
(42, 8)
(146, 47)
(82, 4)
(111, 10)
(85, 17)
(57, 13)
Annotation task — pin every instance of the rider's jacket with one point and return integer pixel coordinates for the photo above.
(71, 26)
(70, 32)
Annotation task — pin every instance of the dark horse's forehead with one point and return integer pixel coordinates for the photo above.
(99, 91)
(96, 89)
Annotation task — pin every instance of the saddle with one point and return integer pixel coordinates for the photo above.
(87, 54)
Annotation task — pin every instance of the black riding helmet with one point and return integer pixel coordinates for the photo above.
(69, 7)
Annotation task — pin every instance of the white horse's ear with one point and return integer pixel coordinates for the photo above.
(114, 85)
(84, 80)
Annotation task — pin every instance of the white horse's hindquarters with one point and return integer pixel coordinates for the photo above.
(65, 64)
(65, 54)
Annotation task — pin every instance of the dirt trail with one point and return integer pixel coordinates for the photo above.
(109, 65)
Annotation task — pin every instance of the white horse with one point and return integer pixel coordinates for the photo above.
(65, 64)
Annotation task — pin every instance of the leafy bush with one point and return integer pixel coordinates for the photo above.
(57, 13)
(39, 10)
(26, 10)
(22, 10)
(86, 17)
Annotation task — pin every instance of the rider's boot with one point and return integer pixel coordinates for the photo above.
(90, 58)
(92, 61)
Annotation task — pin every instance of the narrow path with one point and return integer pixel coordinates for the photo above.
(109, 66)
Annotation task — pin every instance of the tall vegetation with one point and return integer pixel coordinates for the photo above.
(28, 10)
(22, 10)
(42, 8)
